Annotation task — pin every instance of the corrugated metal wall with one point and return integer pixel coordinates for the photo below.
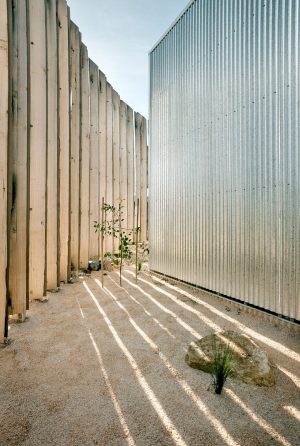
(224, 158)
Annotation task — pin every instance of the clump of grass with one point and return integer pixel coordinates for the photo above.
(222, 366)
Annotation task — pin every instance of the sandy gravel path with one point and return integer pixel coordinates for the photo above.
(106, 367)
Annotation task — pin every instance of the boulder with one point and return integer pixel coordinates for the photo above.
(249, 362)
(94, 265)
(108, 265)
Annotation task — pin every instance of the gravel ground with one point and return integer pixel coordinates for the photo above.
(106, 367)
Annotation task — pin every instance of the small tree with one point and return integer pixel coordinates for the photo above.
(112, 227)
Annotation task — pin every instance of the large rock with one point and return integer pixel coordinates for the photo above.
(249, 362)
(108, 265)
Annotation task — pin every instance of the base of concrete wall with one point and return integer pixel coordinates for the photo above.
(276, 320)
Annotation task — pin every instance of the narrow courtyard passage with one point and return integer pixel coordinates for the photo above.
(106, 367)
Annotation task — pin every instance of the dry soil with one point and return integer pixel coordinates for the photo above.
(106, 367)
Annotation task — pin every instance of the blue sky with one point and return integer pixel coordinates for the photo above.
(119, 35)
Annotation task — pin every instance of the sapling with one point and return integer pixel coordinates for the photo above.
(111, 226)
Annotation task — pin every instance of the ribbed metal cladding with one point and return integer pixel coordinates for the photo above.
(224, 151)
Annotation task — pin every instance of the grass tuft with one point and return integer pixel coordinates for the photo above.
(222, 367)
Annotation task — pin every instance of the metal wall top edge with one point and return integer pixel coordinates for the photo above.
(172, 25)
